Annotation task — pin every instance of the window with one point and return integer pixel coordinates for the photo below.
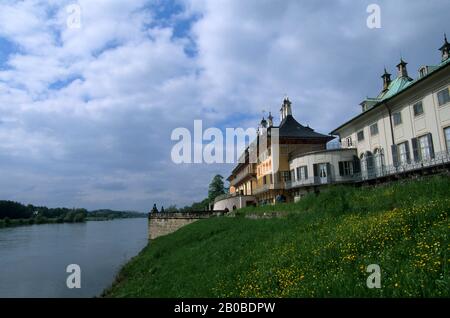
(403, 153)
(423, 71)
(361, 135)
(348, 142)
(293, 175)
(302, 173)
(345, 168)
(374, 129)
(285, 176)
(418, 109)
(423, 147)
(443, 97)
(447, 137)
(397, 118)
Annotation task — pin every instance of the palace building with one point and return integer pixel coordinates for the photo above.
(404, 130)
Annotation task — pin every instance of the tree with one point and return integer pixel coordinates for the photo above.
(216, 188)
(172, 209)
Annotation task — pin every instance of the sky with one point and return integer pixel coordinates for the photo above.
(86, 113)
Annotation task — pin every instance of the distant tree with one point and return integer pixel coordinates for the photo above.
(162, 209)
(79, 217)
(216, 188)
(69, 217)
(172, 209)
(200, 206)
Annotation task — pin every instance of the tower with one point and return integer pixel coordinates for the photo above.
(386, 80)
(270, 119)
(286, 109)
(402, 71)
(445, 49)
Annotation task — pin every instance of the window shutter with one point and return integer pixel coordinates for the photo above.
(328, 170)
(341, 168)
(316, 170)
(306, 172)
(430, 143)
(356, 165)
(416, 152)
(395, 155)
(408, 156)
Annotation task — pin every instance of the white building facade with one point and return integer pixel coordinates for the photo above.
(407, 126)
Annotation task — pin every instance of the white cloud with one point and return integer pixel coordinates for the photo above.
(86, 114)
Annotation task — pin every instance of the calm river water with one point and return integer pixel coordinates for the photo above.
(33, 259)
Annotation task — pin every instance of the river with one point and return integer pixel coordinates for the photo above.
(33, 259)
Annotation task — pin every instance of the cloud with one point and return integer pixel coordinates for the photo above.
(86, 114)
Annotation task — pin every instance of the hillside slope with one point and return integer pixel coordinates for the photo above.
(321, 249)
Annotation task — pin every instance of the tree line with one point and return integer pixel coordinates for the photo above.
(15, 213)
(216, 188)
(10, 210)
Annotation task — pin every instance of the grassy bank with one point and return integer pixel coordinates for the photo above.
(321, 249)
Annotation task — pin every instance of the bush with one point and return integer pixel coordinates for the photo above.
(69, 218)
(41, 220)
(78, 218)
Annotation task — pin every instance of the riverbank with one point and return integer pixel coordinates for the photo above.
(321, 248)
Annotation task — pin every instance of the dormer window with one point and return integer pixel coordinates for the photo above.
(423, 71)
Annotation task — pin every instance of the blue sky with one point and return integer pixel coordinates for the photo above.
(86, 114)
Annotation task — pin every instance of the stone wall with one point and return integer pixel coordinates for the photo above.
(160, 224)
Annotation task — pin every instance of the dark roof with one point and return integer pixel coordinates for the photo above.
(290, 128)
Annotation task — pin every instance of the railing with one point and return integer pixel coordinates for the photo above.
(333, 145)
(269, 186)
(249, 170)
(229, 195)
(440, 158)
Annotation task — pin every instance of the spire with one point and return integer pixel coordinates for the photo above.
(287, 104)
(445, 49)
(402, 71)
(263, 123)
(270, 119)
(386, 80)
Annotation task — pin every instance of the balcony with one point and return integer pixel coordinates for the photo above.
(248, 171)
(267, 187)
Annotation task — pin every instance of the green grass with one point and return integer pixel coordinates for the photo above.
(320, 249)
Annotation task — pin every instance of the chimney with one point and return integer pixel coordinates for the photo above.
(445, 49)
(386, 80)
(402, 71)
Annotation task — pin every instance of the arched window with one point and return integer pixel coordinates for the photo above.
(370, 162)
(379, 160)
